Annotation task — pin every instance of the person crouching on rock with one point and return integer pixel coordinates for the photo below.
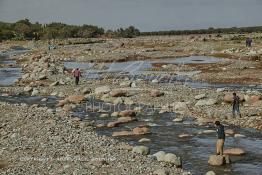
(220, 138)
(236, 102)
(77, 74)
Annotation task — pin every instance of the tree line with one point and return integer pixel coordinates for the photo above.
(211, 30)
(25, 30)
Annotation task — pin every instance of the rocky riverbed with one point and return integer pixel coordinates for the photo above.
(198, 89)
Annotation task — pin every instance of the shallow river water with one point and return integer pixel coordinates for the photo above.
(9, 73)
(136, 70)
(164, 136)
(194, 150)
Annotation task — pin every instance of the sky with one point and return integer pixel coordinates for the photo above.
(146, 15)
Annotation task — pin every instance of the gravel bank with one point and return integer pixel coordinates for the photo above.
(36, 142)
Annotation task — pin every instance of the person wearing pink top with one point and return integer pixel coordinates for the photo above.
(77, 74)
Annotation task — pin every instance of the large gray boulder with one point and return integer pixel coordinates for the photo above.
(216, 160)
(210, 173)
(173, 159)
(168, 158)
(160, 155)
(141, 150)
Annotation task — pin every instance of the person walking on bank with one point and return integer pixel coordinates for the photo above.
(236, 102)
(220, 138)
(77, 74)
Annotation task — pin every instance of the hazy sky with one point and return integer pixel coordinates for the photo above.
(147, 15)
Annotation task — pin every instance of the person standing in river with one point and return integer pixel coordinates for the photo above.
(249, 42)
(77, 74)
(236, 102)
(220, 138)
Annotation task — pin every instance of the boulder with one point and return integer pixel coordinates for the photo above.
(113, 124)
(54, 93)
(141, 130)
(128, 101)
(155, 81)
(122, 133)
(44, 99)
(125, 119)
(141, 150)
(125, 84)
(68, 108)
(86, 91)
(168, 158)
(61, 103)
(239, 135)
(100, 125)
(28, 89)
(234, 152)
(216, 160)
(127, 113)
(228, 98)
(119, 121)
(156, 93)
(25, 76)
(61, 82)
(118, 100)
(35, 92)
(144, 140)
(185, 135)
(208, 102)
(210, 173)
(61, 94)
(173, 159)
(254, 99)
(54, 83)
(160, 155)
(118, 93)
(200, 96)
(102, 90)
(178, 120)
(221, 89)
(104, 115)
(208, 131)
(42, 77)
(115, 114)
(106, 98)
(180, 107)
(161, 172)
(133, 85)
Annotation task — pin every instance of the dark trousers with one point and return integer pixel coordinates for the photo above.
(76, 80)
(236, 110)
